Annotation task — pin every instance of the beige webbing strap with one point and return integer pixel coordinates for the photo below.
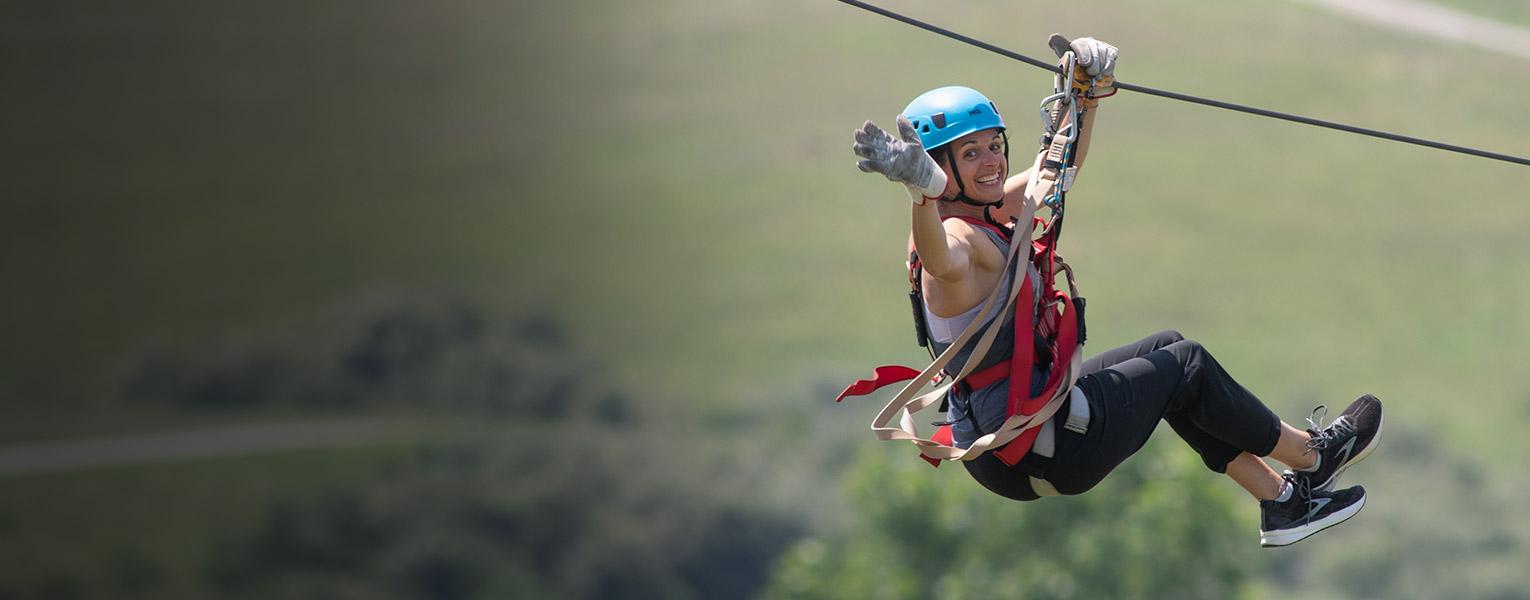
(909, 401)
(905, 403)
(1043, 487)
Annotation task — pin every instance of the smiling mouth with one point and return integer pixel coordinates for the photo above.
(989, 180)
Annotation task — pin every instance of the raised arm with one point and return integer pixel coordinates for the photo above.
(945, 256)
(1097, 65)
(1097, 60)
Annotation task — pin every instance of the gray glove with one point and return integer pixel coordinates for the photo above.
(1096, 57)
(901, 160)
(1096, 62)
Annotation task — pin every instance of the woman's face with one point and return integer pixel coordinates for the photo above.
(979, 158)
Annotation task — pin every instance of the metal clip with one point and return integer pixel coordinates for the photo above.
(1047, 123)
(1068, 175)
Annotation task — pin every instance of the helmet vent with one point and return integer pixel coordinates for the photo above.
(939, 119)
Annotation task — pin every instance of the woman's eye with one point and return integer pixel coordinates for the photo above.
(969, 154)
(994, 148)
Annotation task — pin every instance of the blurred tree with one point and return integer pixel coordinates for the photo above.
(495, 520)
(476, 513)
(1159, 527)
(385, 351)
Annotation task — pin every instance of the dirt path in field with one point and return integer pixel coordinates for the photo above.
(1436, 21)
(216, 442)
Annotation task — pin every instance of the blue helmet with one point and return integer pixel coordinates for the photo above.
(943, 114)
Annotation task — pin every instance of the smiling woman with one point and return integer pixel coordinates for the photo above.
(1028, 416)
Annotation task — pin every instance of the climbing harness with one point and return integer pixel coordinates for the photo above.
(1055, 342)
(1193, 99)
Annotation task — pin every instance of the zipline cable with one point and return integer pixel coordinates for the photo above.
(1188, 98)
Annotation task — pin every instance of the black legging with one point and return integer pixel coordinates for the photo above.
(1163, 376)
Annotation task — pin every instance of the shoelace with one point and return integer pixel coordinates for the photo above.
(1322, 435)
(1301, 489)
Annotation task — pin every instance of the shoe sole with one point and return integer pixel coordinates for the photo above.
(1369, 448)
(1286, 537)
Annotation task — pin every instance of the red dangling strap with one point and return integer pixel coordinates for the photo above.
(884, 375)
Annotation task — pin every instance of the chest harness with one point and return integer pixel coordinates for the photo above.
(1056, 342)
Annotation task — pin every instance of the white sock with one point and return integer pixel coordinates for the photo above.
(1314, 466)
(1286, 489)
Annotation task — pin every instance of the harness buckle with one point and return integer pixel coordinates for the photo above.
(1078, 411)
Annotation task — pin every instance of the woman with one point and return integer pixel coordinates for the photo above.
(951, 154)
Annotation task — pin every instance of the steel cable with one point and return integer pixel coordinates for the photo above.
(1188, 98)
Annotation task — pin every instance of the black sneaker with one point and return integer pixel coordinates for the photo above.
(1346, 441)
(1306, 512)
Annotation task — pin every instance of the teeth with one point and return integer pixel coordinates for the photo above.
(986, 180)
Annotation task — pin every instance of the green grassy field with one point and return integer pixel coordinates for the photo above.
(673, 181)
(696, 199)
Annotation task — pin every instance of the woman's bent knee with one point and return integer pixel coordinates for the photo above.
(1190, 347)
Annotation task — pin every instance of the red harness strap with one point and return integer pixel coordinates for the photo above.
(1020, 401)
(882, 376)
(1018, 370)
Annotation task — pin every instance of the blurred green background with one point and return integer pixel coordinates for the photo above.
(550, 299)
